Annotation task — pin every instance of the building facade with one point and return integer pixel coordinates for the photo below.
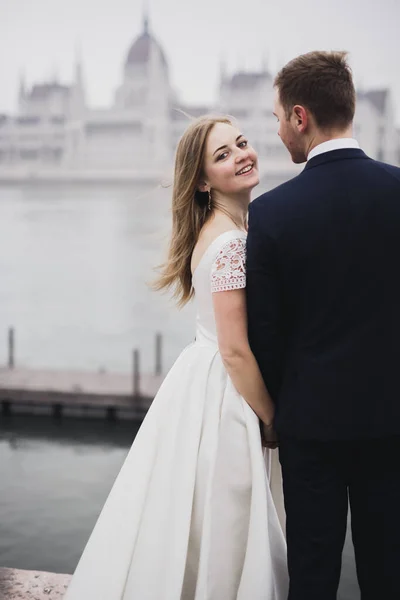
(56, 135)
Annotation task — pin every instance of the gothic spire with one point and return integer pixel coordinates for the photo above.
(146, 16)
(22, 85)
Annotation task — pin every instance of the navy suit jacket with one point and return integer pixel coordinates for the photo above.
(323, 297)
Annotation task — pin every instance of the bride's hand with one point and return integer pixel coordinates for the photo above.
(269, 438)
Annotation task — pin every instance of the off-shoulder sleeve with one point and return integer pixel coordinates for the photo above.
(228, 271)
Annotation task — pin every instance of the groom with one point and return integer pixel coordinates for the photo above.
(323, 269)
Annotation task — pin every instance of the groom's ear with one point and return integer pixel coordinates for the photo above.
(300, 118)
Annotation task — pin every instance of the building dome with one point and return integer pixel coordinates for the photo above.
(142, 48)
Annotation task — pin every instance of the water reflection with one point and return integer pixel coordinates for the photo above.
(19, 431)
(55, 478)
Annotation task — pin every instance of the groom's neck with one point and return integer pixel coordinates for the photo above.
(319, 137)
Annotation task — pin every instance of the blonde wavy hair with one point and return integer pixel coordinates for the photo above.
(189, 208)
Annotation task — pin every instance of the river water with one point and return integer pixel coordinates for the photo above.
(74, 263)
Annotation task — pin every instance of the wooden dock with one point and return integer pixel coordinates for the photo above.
(61, 393)
(74, 393)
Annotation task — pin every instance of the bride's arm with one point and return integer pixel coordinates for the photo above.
(231, 321)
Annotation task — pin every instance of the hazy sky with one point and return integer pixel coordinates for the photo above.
(38, 38)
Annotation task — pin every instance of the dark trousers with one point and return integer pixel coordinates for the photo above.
(319, 478)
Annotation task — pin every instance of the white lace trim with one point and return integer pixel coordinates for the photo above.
(228, 271)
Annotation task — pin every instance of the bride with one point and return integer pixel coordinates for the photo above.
(196, 511)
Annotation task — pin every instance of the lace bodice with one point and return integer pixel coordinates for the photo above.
(221, 268)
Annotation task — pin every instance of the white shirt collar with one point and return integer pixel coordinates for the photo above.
(336, 144)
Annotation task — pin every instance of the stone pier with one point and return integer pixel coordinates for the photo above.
(16, 584)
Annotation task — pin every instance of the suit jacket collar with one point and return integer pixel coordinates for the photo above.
(334, 155)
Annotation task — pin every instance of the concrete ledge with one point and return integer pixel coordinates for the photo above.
(16, 584)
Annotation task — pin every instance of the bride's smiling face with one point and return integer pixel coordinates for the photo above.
(230, 163)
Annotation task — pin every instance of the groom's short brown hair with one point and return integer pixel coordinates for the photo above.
(322, 82)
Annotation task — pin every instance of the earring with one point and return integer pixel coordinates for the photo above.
(209, 200)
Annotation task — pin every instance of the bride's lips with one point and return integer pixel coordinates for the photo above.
(250, 170)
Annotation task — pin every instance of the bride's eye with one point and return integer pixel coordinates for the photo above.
(243, 144)
(222, 156)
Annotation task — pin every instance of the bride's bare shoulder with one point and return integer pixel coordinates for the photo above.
(208, 234)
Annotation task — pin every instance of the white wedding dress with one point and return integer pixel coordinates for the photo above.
(191, 515)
